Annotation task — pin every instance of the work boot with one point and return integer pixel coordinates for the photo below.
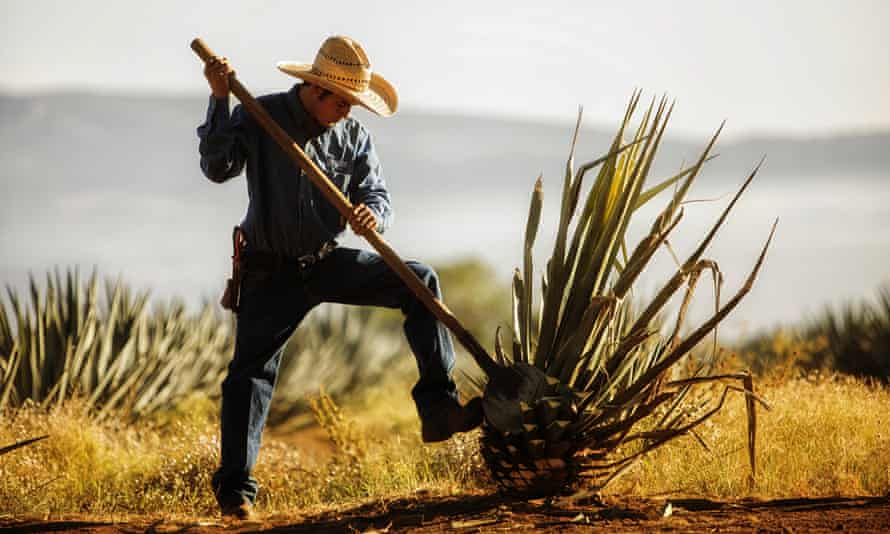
(238, 508)
(449, 417)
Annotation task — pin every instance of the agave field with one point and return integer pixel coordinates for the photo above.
(120, 358)
(607, 408)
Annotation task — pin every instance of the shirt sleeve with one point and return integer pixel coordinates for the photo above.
(222, 143)
(370, 187)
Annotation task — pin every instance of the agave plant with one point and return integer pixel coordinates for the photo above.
(333, 351)
(852, 339)
(122, 358)
(591, 388)
(116, 356)
(856, 337)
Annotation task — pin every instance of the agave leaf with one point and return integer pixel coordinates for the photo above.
(674, 283)
(106, 344)
(640, 174)
(126, 387)
(643, 252)
(573, 188)
(664, 435)
(680, 194)
(707, 240)
(689, 342)
(752, 428)
(64, 380)
(554, 309)
(156, 385)
(627, 344)
(84, 347)
(53, 392)
(6, 335)
(653, 191)
(499, 348)
(691, 282)
(16, 309)
(743, 377)
(604, 387)
(560, 268)
(20, 444)
(531, 230)
(666, 420)
(565, 361)
(34, 360)
(518, 317)
(616, 218)
(15, 359)
(621, 426)
(106, 377)
(657, 440)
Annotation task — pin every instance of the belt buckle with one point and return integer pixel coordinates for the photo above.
(326, 249)
(306, 261)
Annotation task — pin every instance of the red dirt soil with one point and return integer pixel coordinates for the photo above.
(491, 513)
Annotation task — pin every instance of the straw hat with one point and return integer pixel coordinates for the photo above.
(342, 66)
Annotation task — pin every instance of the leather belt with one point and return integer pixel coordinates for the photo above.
(269, 261)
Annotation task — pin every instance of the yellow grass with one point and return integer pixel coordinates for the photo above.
(823, 436)
(164, 465)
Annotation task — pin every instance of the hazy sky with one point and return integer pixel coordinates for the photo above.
(803, 66)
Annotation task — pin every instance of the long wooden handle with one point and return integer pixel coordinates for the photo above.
(342, 204)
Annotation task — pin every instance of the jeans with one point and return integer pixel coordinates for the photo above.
(272, 305)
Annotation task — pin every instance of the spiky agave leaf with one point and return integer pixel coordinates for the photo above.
(18, 445)
(592, 369)
(117, 357)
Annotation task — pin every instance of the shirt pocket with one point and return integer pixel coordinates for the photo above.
(340, 172)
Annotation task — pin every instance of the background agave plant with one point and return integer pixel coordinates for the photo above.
(338, 349)
(855, 339)
(852, 339)
(124, 359)
(116, 354)
(592, 378)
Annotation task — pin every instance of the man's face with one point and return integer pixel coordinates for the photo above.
(331, 109)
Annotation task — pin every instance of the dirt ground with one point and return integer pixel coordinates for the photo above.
(489, 513)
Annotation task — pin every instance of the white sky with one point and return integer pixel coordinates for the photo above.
(804, 67)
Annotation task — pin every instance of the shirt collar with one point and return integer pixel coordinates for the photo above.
(301, 117)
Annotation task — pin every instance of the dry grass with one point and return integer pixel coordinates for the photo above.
(825, 435)
(164, 464)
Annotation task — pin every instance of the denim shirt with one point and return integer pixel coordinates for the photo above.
(286, 213)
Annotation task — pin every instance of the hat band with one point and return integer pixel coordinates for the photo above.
(355, 84)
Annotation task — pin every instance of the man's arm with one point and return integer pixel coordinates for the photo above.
(222, 145)
(370, 188)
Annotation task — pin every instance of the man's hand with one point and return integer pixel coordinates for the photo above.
(217, 72)
(362, 220)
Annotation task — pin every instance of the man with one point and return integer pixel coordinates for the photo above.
(290, 260)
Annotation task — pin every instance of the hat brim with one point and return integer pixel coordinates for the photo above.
(380, 97)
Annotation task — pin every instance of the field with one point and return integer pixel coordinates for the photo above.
(349, 458)
(822, 464)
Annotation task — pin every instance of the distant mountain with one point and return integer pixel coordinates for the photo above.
(141, 143)
(865, 152)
